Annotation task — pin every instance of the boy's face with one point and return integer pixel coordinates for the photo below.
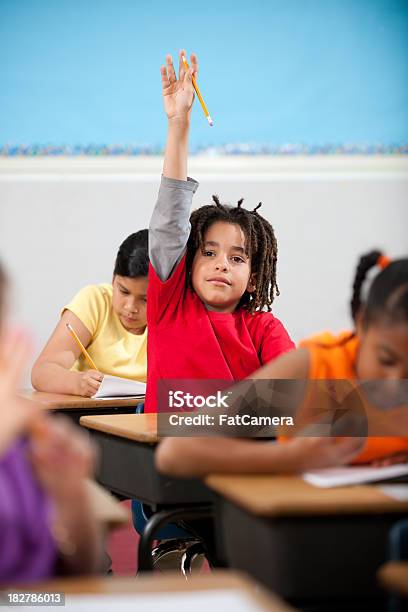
(383, 351)
(129, 302)
(221, 273)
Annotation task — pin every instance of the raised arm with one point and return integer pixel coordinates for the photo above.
(16, 413)
(63, 459)
(169, 226)
(178, 97)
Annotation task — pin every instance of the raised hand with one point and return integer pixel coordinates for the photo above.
(62, 457)
(16, 413)
(178, 94)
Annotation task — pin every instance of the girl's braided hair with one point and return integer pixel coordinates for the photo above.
(388, 294)
(260, 246)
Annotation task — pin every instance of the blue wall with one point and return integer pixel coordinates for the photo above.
(272, 71)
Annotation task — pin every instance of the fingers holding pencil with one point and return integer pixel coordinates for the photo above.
(192, 73)
(178, 94)
(194, 65)
(89, 382)
(186, 75)
(168, 73)
(184, 69)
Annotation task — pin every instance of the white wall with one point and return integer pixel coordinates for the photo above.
(61, 222)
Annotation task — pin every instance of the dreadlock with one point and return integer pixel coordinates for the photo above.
(260, 246)
(388, 294)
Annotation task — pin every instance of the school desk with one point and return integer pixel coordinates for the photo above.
(127, 445)
(169, 593)
(76, 406)
(303, 542)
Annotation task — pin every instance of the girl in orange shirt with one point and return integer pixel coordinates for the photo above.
(376, 349)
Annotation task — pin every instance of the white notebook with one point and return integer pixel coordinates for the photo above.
(354, 474)
(113, 387)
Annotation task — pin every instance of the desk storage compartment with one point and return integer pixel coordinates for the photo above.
(310, 558)
(127, 467)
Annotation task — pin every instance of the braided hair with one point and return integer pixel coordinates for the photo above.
(388, 294)
(260, 246)
(132, 259)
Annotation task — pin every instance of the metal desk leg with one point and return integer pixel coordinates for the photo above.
(157, 521)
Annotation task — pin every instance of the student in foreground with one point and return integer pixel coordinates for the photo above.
(110, 321)
(376, 349)
(47, 526)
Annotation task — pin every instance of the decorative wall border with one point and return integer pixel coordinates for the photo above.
(237, 149)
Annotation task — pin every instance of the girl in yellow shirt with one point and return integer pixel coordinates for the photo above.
(110, 321)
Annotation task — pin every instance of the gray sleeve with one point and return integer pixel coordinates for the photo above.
(169, 227)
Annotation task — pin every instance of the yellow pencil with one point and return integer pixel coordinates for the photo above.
(198, 92)
(81, 346)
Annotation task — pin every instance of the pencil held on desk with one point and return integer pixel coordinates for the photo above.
(198, 92)
(81, 346)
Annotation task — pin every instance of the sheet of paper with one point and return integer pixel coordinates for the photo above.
(113, 387)
(349, 475)
(226, 600)
(399, 492)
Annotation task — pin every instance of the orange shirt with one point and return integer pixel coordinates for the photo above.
(334, 357)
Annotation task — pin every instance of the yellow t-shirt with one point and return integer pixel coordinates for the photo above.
(113, 349)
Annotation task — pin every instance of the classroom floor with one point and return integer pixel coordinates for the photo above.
(122, 547)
